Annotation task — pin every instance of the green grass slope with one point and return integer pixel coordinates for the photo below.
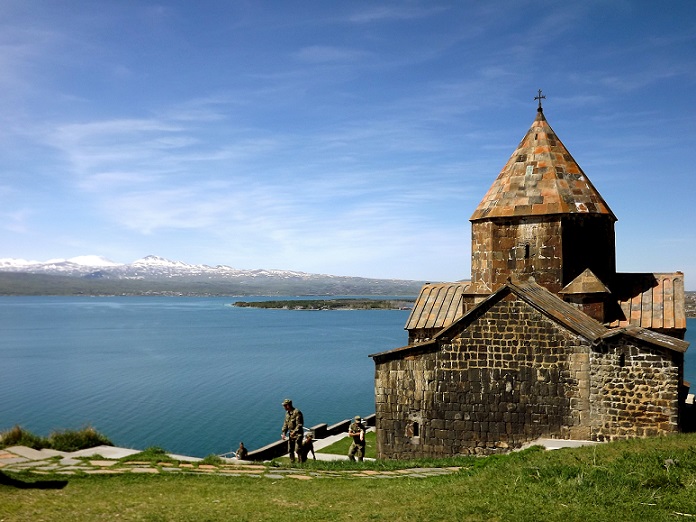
(649, 479)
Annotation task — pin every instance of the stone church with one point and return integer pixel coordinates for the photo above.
(547, 340)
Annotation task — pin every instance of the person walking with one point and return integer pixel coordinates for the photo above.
(292, 429)
(356, 430)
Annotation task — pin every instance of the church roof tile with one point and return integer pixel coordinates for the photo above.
(437, 306)
(650, 300)
(541, 178)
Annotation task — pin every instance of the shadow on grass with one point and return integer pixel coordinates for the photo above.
(6, 480)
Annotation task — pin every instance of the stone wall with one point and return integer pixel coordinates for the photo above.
(418, 335)
(510, 377)
(405, 394)
(524, 246)
(552, 249)
(634, 391)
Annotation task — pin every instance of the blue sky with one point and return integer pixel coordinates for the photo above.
(348, 138)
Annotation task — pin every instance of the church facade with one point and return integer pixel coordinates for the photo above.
(547, 340)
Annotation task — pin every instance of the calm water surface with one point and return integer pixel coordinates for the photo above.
(192, 375)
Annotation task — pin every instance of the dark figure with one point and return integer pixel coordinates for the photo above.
(307, 446)
(357, 431)
(6, 480)
(292, 428)
(241, 452)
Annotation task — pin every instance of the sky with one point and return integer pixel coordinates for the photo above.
(346, 138)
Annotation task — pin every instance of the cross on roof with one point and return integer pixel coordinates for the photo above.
(540, 97)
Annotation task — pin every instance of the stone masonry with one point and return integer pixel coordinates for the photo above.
(633, 391)
(496, 386)
(554, 250)
(512, 375)
(547, 340)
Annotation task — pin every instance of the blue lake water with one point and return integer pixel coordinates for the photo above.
(192, 375)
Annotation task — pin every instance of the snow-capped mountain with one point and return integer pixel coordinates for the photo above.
(92, 261)
(73, 266)
(146, 267)
(153, 275)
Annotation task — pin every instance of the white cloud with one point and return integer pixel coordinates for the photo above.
(399, 11)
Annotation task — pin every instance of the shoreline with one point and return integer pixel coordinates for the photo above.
(329, 304)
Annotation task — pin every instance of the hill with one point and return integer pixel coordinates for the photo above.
(152, 275)
(17, 283)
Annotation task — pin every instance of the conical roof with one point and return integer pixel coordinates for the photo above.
(541, 178)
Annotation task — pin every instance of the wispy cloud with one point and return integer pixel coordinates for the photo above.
(401, 11)
(323, 53)
(16, 221)
(355, 132)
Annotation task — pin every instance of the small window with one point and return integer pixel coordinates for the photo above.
(416, 429)
(622, 360)
(526, 251)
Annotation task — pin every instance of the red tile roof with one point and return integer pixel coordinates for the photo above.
(541, 178)
(653, 301)
(437, 306)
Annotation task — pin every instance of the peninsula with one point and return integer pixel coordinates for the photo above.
(331, 304)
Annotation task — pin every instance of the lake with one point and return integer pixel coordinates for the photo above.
(192, 375)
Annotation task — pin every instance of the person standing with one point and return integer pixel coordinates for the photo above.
(356, 430)
(292, 429)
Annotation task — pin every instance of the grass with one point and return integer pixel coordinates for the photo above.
(75, 440)
(153, 455)
(157, 456)
(647, 479)
(18, 436)
(67, 440)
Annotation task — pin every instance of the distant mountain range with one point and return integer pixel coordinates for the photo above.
(153, 275)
